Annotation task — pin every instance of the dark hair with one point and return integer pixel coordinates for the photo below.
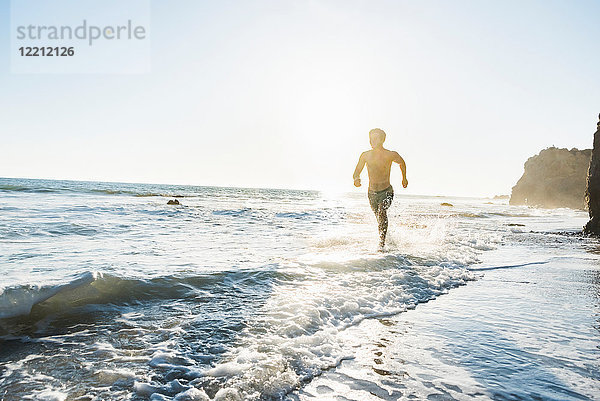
(378, 131)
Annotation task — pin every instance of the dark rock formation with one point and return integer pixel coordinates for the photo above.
(446, 204)
(554, 178)
(173, 202)
(592, 190)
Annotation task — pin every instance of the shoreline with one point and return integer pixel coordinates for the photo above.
(179, 306)
(528, 332)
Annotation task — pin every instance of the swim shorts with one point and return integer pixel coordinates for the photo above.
(381, 199)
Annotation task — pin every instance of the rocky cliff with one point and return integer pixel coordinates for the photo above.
(554, 178)
(592, 191)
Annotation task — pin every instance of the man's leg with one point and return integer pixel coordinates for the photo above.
(382, 223)
(383, 217)
(380, 202)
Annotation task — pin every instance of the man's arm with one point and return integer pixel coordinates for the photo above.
(402, 164)
(359, 168)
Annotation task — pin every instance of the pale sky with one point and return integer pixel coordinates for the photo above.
(282, 94)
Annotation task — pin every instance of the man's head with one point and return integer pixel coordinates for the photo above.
(376, 137)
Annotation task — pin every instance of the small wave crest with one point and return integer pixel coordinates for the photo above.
(23, 188)
(232, 212)
(18, 300)
(103, 288)
(134, 193)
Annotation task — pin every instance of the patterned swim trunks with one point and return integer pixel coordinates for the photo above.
(381, 198)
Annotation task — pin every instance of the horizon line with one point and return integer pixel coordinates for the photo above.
(246, 187)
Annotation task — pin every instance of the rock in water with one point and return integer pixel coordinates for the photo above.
(173, 202)
(553, 178)
(592, 190)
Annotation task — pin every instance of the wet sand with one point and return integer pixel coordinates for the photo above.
(521, 333)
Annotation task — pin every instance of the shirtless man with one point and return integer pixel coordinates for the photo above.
(379, 162)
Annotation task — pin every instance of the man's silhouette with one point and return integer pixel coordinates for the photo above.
(379, 162)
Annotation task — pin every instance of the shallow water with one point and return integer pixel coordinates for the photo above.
(108, 293)
(517, 333)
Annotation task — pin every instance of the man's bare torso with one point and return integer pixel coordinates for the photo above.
(379, 162)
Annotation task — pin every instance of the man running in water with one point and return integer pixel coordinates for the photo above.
(379, 162)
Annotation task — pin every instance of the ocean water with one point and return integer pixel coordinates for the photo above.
(108, 293)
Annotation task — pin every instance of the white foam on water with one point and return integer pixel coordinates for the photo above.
(192, 394)
(48, 394)
(297, 335)
(287, 276)
(107, 376)
(172, 387)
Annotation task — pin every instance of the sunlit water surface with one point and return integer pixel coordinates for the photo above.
(108, 293)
